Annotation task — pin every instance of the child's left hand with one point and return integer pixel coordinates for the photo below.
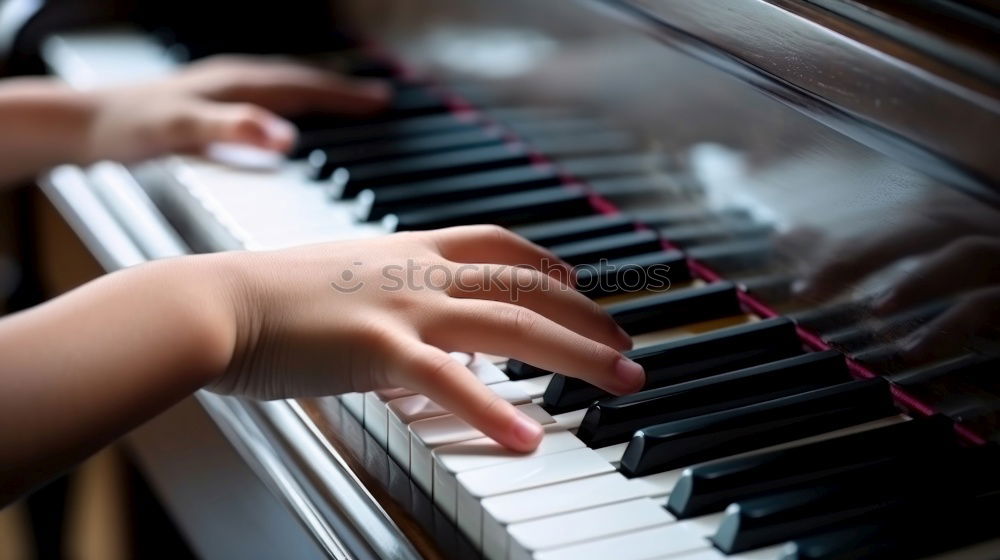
(231, 99)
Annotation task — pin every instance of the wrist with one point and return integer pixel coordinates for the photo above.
(200, 299)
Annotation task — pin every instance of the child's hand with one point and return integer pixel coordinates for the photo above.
(356, 316)
(222, 99)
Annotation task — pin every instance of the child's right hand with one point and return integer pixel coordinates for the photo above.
(342, 317)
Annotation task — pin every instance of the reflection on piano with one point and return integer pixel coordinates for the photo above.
(821, 352)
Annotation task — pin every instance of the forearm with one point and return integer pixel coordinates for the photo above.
(44, 123)
(85, 368)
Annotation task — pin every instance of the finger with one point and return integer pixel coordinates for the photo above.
(510, 330)
(434, 373)
(968, 263)
(209, 122)
(292, 88)
(542, 294)
(976, 316)
(494, 244)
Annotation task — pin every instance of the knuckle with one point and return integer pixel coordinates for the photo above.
(431, 368)
(521, 320)
(180, 126)
(499, 234)
(603, 356)
(248, 114)
(375, 334)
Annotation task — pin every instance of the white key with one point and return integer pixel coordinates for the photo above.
(508, 507)
(681, 535)
(377, 415)
(613, 453)
(657, 485)
(552, 532)
(355, 403)
(485, 370)
(407, 410)
(501, 511)
(570, 420)
(427, 435)
(652, 485)
(769, 553)
(376, 410)
(518, 475)
(639, 545)
(535, 386)
(451, 460)
(244, 156)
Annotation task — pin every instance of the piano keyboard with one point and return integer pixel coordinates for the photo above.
(749, 441)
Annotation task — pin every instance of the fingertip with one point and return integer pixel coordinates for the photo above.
(630, 376)
(280, 135)
(526, 433)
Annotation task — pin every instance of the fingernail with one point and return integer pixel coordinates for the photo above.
(630, 374)
(526, 430)
(280, 132)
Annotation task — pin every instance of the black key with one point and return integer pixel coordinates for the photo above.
(690, 358)
(688, 215)
(609, 247)
(735, 256)
(677, 308)
(408, 101)
(917, 532)
(655, 272)
(529, 127)
(833, 316)
(880, 496)
(374, 204)
(713, 232)
(373, 132)
(772, 288)
(419, 168)
(415, 100)
(505, 210)
(577, 229)
(711, 487)
(659, 311)
(607, 166)
(615, 420)
(572, 145)
(325, 161)
(685, 442)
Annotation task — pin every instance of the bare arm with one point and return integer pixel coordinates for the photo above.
(44, 123)
(89, 366)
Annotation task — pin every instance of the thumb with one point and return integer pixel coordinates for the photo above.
(237, 123)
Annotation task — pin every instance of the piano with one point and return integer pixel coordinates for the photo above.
(791, 205)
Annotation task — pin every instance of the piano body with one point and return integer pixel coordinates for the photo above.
(788, 163)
